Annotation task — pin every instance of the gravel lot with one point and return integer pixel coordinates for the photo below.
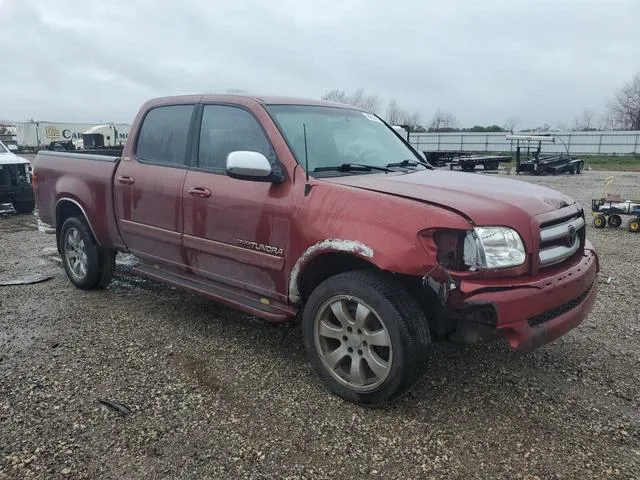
(216, 394)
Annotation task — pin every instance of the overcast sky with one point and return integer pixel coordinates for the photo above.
(540, 61)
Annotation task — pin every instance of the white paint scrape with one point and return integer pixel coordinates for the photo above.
(333, 245)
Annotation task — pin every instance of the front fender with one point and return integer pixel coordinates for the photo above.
(353, 247)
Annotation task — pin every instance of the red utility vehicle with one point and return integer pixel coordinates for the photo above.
(281, 207)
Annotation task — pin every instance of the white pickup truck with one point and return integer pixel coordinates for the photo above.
(15, 181)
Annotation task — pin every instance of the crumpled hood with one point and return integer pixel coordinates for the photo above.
(481, 198)
(11, 159)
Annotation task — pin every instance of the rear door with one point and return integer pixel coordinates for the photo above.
(148, 186)
(235, 231)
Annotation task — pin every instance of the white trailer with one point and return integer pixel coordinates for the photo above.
(35, 135)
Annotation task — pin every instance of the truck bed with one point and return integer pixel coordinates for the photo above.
(86, 180)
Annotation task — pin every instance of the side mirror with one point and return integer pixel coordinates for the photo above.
(12, 148)
(245, 165)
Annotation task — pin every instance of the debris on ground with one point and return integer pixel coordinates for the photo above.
(25, 280)
(116, 406)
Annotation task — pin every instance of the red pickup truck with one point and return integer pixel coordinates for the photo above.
(285, 208)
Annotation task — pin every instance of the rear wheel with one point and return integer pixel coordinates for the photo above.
(366, 337)
(634, 225)
(615, 221)
(599, 221)
(491, 166)
(87, 265)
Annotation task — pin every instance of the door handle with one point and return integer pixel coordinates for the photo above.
(126, 180)
(200, 192)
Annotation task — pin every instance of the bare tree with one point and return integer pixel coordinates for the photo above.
(625, 108)
(336, 95)
(443, 120)
(358, 98)
(585, 120)
(236, 91)
(395, 114)
(608, 121)
(413, 119)
(510, 124)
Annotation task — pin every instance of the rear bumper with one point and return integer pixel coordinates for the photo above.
(536, 312)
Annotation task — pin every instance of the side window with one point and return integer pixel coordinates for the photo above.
(227, 129)
(163, 135)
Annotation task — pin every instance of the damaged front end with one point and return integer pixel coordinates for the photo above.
(454, 318)
(15, 181)
(526, 305)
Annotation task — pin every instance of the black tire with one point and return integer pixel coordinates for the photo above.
(615, 221)
(403, 321)
(633, 225)
(599, 221)
(468, 166)
(98, 263)
(491, 166)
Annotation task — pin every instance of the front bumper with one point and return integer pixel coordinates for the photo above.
(539, 310)
(15, 190)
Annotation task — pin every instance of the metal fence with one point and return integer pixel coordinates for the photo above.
(579, 143)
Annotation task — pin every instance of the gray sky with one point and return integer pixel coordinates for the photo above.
(539, 61)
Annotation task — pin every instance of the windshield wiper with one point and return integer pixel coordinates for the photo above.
(404, 163)
(347, 167)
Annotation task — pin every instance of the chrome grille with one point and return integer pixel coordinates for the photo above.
(559, 241)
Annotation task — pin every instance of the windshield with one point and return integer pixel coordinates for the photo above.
(339, 136)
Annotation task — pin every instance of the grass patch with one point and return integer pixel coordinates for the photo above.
(629, 163)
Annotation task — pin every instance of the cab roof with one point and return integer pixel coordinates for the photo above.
(243, 98)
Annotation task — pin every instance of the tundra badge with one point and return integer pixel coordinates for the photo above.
(261, 247)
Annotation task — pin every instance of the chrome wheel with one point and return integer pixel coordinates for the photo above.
(75, 253)
(353, 343)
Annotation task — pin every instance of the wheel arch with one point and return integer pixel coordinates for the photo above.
(325, 259)
(67, 207)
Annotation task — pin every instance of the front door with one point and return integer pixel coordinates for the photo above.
(148, 187)
(235, 231)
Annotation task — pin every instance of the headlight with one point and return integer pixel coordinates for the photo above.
(493, 247)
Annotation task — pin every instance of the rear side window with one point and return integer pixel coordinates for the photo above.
(163, 135)
(227, 129)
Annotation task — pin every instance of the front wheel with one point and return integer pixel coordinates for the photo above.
(87, 265)
(599, 221)
(634, 225)
(366, 337)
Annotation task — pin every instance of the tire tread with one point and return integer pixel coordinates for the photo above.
(105, 257)
(413, 327)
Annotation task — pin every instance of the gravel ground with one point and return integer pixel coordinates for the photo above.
(216, 394)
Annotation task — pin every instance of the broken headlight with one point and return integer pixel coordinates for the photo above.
(493, 247)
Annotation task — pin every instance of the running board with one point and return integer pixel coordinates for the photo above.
(273, 311)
